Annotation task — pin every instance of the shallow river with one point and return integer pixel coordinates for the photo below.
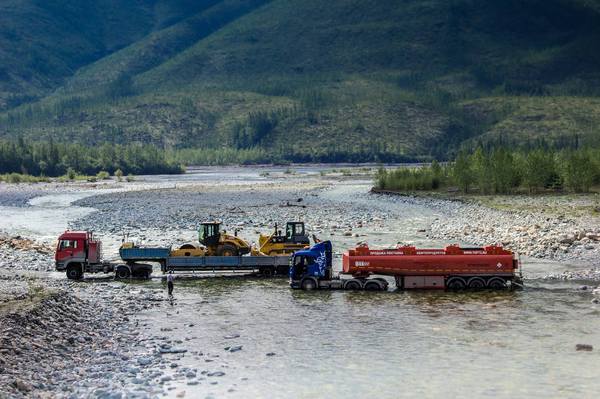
(425, 344)
(394, 344)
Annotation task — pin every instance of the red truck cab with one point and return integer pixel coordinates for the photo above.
(77, 247)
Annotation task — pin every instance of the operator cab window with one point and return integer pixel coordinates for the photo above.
(296, 229)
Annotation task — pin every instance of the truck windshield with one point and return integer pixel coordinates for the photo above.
(64, 244)
(303, 261)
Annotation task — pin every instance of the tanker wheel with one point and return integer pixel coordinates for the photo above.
(308, 284)
(496, 283)
(227, 250)
(456, 284)
(352, 285)
(74, 272)
(123, 273)
(373, 286)
(476, 283)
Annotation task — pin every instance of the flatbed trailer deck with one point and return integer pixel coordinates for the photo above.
(265, 265)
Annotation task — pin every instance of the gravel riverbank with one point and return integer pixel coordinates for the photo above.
(65, 339)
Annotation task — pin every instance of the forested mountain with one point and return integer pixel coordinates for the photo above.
(302, 79)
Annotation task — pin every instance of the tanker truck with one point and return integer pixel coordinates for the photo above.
(452, 268)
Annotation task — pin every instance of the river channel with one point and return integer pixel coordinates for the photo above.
(356, 344)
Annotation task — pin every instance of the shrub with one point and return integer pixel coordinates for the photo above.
(71, 174)
(103, 175)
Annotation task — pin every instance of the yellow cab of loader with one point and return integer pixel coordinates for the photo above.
(295, 238)
(219, 243)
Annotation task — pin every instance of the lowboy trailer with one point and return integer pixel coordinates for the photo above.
(452, 268)
(78, 252)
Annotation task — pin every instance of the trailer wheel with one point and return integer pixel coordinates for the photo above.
(309, 284)
(74, 272)
(352, 285)
(373, 285)
(456, 284)
(496, 283)
(267, 271)
(476, 283)
(123, 272)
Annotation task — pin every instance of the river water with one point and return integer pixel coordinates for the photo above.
(394, 344)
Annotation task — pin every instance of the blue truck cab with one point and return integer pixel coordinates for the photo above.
(309, 266)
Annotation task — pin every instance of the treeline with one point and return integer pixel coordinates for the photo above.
(57, 159)
(501, 171)
(355, 153)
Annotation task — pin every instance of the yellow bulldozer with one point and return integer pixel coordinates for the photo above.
(219, 243)
(295, 238)
(215, 243)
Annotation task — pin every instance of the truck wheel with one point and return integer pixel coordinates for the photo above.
(476, 283)
(123, 272)
(267, 272)
(74, 272)
(496, 283)
(227, 250)
(309, 284)
(352, 285)
(456, 284)
(373, 286)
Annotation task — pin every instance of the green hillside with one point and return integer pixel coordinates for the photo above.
(313, 80)
(42, 42)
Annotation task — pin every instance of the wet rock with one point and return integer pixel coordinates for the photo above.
(144, 361)
(172, 350)
(236, 348)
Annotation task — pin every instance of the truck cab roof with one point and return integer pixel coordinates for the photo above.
(74, 235)
(315, 249)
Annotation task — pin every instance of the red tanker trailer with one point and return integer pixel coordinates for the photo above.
(452, 268)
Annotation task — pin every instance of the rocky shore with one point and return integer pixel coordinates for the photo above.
(66, 340)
